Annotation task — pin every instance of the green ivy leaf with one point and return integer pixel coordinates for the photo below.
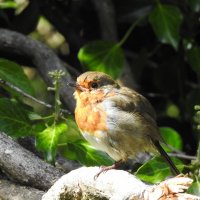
(166, 21)
(72, 134)
(173, 111)
(34, 116)
(14, 118)
(13, 73)
(47, 140)
(156, 170)
(172, 138)
(102, 56)
(8, 4)
(87, 155)
(194, 188)
(193, 57)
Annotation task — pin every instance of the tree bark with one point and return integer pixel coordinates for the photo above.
(11, 191)
(115, 185)
(43, 58)
(24, 167)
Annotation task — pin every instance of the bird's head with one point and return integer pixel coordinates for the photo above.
(94, 86)
(92, 81)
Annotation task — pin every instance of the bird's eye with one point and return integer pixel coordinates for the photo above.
(94, 85)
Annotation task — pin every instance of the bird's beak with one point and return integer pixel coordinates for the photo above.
(76, 86)
(72, 84)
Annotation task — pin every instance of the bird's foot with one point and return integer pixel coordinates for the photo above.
(104, 169)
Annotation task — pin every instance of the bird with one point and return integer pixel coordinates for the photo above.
(116, 119)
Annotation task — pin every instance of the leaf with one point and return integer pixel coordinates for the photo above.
(102, 56)
(194, 5)
(173, 111)
(72, 134)
(86, 154)
(13, 73)
(14, 118)
(194, 188)
(8, 4)
(193, 57)
(34, 116)
(166, 21)
(172, 138)
(156, 170)
(47, 140)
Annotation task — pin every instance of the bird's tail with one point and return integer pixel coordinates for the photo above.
(165, 156)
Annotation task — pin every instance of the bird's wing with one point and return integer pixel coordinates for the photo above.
(128, 100)
(131, 101)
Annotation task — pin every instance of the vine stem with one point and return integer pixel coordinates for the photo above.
(129, 31)
(56, 75)
(183, 156)
(198, 153)
(57, 99)
(18, 90)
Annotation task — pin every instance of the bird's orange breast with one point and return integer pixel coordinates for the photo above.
(89, 113)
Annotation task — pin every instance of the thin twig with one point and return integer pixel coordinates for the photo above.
(180, 155)
(13, 87)
(129, 31)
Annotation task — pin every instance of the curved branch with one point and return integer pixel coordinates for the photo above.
(115, 184)
(81, 184)
(24, 167)
(106, 14)
(10, 191)
(43, 58)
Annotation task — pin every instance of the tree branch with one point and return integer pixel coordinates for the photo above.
(11, 86)
(106, 14)
(114, 184)
(183, 156)
(24, 167)
(43, 58)
(10, 191)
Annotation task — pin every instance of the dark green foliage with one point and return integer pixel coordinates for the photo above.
(193, 57)
(195, 188)
(102, 56)
(166, 21)
(14, 118)
(155, 170)
(86, 154)
(13, 73)
(172, 138)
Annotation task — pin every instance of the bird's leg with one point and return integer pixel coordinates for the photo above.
(106, 168)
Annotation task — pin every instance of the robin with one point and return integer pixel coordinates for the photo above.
(116, 119)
